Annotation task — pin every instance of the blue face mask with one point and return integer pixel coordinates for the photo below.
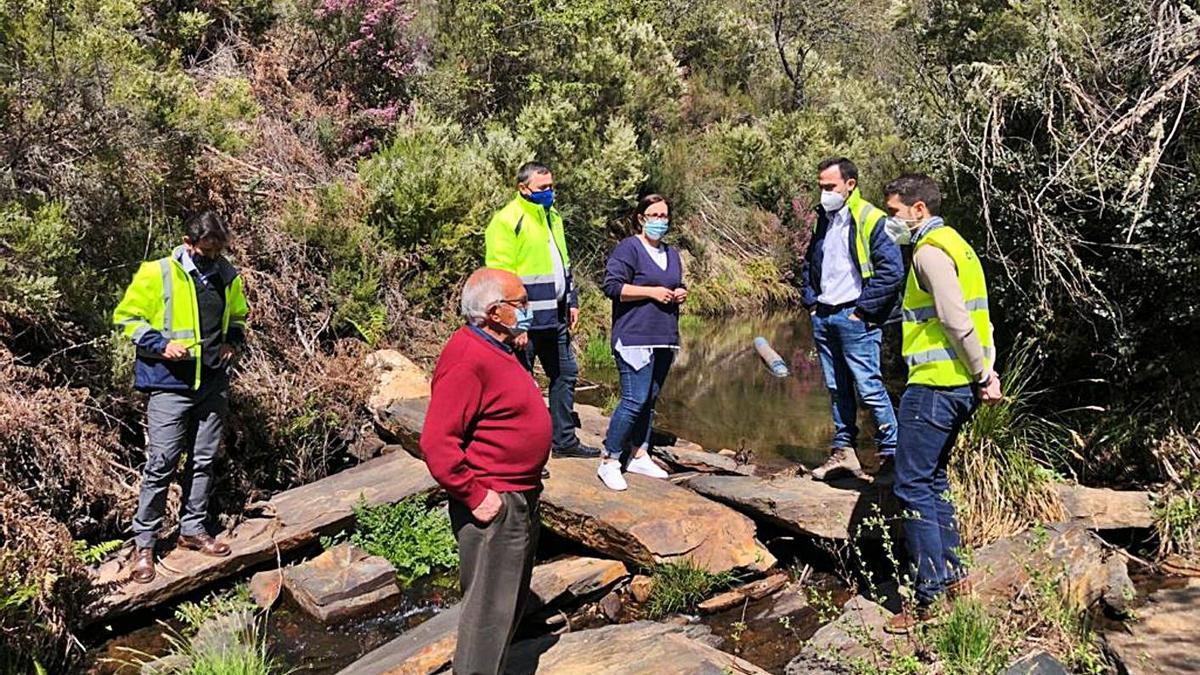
(524, 321)
(656, 228)
(543, 198)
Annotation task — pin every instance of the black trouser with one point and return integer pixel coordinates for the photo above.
(495, 565)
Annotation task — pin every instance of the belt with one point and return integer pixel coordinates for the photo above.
(824, 309)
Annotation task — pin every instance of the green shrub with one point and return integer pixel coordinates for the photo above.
(193, 614)
(218, 113)
(680, 586)
(417, 540)
(968, 640)
(40, 245)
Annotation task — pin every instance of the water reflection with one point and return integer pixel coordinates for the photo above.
(721, 395)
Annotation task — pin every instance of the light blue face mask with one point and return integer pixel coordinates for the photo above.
(524, 321)
(656, 228)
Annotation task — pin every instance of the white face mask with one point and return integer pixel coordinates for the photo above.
(898, 230)
(832, 201)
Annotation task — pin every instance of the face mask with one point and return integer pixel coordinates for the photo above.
(543, 198)
(524, 321)
(832, 201)
(656, 228)
(898, 229)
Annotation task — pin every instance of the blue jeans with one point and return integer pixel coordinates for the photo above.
(553, 348)
(849, 352)
(930, 420)
(630, 424)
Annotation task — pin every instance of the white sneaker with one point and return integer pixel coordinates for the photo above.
(645, 466)
(610, 473)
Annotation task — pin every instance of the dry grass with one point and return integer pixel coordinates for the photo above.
(1001, 485)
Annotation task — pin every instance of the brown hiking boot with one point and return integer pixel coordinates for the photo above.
(907, 621)
(143, 565)
(841, 460)
(205, 544)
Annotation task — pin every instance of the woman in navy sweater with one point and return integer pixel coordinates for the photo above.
(644, 278)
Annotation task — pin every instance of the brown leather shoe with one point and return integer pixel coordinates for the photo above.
(205, 544)
(907, 621)
(143, 565)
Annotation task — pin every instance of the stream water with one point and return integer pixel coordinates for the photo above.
(720, 394)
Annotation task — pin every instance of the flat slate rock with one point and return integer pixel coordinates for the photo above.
(799, 503)
(691, 457)
(1102, 509)
(639, 647)
(839, 642)
(342, 582)
(1082, 563)
(1165, 638)
(429, 647)
(299, 517)
(1040, 663)
(568, 580)
(652, 522)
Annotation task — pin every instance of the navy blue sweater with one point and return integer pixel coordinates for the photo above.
(642, 323)
(877, 302)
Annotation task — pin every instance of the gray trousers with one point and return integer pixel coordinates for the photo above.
(495, 565)
(190, 421)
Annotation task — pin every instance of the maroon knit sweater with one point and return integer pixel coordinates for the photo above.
(487, 425)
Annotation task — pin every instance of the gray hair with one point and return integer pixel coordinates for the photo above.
(478, 296)
(529, 170)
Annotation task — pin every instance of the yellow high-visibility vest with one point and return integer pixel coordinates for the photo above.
(928, 351)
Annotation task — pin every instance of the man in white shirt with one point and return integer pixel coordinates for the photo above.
(852, 276)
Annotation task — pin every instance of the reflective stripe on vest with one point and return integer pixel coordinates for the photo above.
(927, 349)
(865, 216)
(930, 312)
(942, 354)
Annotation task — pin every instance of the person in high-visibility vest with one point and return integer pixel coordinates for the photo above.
(850, 282)
(186, 316)
(950, 353)
(526, 238)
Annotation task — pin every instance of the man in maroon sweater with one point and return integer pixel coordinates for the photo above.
(486, 439)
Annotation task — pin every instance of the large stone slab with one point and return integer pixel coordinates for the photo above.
(799, 503)
(1101, 509)
(640, 647)
(296, 518)
(652, 522)
(429, 647)
(400, 396)
(1078, 560)
(340, 583)
(1165, 638)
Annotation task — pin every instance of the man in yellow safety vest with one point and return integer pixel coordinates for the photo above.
(950, 353)
(526, 238)
(186, 316)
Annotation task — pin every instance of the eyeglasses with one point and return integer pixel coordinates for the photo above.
(519, 303)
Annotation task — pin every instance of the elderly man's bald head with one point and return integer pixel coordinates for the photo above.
(484, 289)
